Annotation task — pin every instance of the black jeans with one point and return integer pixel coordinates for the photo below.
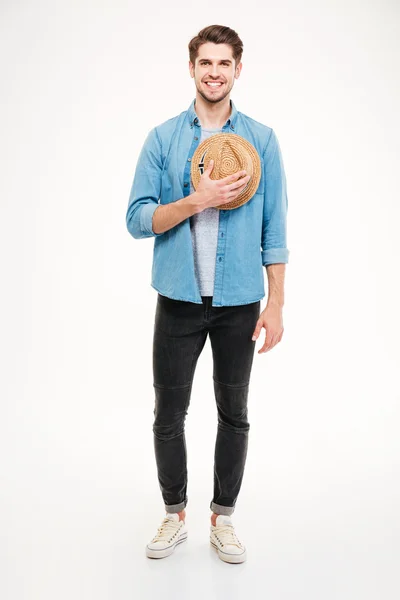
(180, 332)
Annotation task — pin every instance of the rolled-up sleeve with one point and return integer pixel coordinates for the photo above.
(146, 189)
(274, 228)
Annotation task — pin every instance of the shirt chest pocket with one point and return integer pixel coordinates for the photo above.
(172, 187)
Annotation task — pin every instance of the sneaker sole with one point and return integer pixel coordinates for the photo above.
(230, 558)
(163, 552)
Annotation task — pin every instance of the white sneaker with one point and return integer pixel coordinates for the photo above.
(171, 532)
(224, 539)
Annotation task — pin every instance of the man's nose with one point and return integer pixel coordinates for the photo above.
(214, 72)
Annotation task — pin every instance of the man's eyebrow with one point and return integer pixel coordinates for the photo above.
(222, 60)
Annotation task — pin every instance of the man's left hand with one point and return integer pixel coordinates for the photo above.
(271, 319)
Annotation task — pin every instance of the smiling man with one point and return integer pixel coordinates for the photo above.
(208, 272)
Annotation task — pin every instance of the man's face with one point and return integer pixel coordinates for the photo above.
(214, 65)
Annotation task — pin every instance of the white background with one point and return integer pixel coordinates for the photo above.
(81, 86)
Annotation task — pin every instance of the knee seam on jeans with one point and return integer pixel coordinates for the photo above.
(234, 385)
(164, 438)
(231, 428)
(171, 387)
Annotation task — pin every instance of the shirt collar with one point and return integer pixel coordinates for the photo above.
(194, 120)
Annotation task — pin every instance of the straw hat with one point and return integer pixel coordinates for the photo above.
(230, 153)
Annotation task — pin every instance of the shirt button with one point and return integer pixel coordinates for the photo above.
(196, 138)
(222, 235)
(185, 184)
(220, 258)
(232, 127)
(189, 159)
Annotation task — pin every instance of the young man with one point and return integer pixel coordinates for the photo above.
(208, 271)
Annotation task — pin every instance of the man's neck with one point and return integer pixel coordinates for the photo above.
(212, 115)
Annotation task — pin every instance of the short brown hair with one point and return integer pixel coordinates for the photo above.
(217, 34)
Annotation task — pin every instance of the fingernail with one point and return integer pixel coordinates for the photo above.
(254, 337)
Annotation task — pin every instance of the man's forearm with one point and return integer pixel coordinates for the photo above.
(276, 283)
(168, 215)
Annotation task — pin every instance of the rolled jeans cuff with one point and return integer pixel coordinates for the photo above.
(218, 509)
(175, 508)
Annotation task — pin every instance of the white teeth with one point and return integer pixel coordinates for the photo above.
(213, 84)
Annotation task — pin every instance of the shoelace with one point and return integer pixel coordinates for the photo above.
(167, 530)
(226, 535)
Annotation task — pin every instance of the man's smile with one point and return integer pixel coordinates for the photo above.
(214, 84)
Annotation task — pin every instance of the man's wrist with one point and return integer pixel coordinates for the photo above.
(273, 302)
(191, 204)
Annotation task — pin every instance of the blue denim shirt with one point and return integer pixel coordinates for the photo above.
(249, 237)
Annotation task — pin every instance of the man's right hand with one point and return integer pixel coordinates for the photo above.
(216, 192)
